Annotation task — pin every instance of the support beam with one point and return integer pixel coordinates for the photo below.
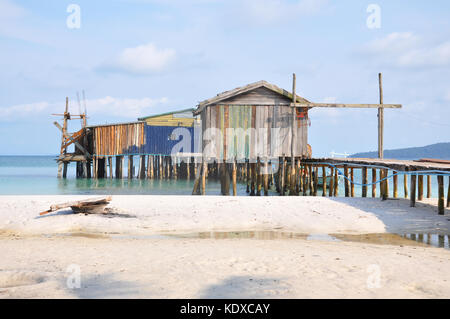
(380, 118)
(441, 208)
(412, 196)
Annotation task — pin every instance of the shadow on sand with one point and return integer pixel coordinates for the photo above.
(247, 287)
(398, 217)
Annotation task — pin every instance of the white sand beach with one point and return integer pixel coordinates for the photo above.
(222, 247)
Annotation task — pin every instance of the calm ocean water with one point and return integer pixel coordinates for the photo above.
(36, 175)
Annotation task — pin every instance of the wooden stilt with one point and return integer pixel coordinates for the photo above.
(234, 178)
(110, 163)
(119, 165)
(352, 184)
(94, 167)
(420, 187)
(248, 174)
(283, 172)
(266, 178)
(196, 189)
(324, 181)
(412, 196)
(405, 184)
(374, 179)
(385, 185)
(130, 166)
(64, 174)
(395, 182)
(204, 173)
(441, 197)
(346, 182)
(331, 191)
(316, 180)
(60, 169)
(258, 177)
(364, 182)
(448, 198)
(336, 183)
(428, 186)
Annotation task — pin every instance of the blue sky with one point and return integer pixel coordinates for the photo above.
(140, 57)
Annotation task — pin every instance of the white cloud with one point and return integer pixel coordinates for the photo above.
(130, 108)
(143, 59)
(405, 49)
(107, 106)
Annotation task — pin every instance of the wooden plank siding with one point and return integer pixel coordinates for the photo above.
(118, 139)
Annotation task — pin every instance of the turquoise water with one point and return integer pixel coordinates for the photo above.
(36, 175)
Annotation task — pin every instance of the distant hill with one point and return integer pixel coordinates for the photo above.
(438, 150)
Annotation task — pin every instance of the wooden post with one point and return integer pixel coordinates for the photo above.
(413, 191)
(311, 180)
(385, 184)
(119, 166)
(105, 167)
(204, 169)
(258, 177)
(64, 174)
(374, 179)
(380, 118)
(283, 173)
(266, 177)
(188, 164)
(110, 163)
(441, 197)
(428, 186)
(448, 198)
(364, 182)
(248, 175)
(130, 166)
(293, 139)
(196, 188)
(352, 185)
(234, 178)
(336, 183)
(420, 186)
(175, 167)
(324, 181)
(346, 182)
(150, 166)
(316, 180)
(94, 167)
(331, 192)
(395, 181)
(405, 183)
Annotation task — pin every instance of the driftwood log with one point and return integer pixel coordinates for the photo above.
(91, 205)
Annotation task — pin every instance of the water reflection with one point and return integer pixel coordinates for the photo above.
(419, 239)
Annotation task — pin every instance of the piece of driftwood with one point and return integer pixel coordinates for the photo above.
(91, 205)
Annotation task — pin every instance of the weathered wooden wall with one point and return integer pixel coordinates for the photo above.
(271, 137)
(119, 139)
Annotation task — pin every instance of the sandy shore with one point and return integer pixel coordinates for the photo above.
(125, 255)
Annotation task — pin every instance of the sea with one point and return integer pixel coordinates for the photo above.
(36, 175)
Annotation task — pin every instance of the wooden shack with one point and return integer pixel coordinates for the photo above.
(251, 122)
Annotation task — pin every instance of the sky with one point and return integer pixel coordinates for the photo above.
(135, 58)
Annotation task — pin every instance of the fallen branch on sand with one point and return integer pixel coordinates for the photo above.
(88, 206)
